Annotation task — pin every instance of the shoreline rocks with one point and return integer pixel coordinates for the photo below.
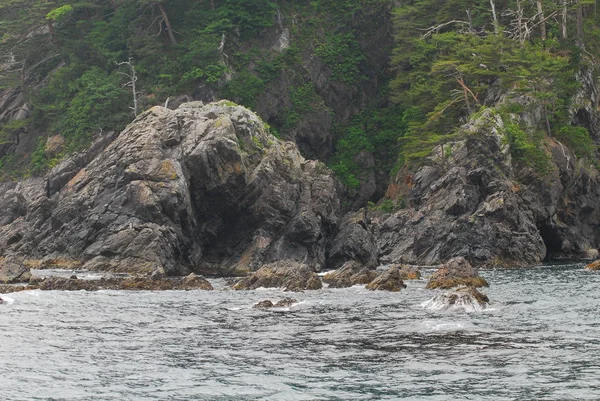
(286, 274)
(184, 283)
(13, 272)
(204, 188)
(351, 273)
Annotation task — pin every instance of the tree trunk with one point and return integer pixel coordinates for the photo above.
(563, 22)
(52, 31)
(520, 22)
(495, 16)
(540, 10)
(168, 23)
(580, 26)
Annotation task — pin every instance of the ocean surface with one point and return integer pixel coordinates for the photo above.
(538, 340)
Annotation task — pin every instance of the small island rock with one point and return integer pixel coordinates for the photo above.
(456, 272)
(389, 280)
(351, 273)
(280, 304)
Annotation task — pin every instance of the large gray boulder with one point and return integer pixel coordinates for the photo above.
(200, 188)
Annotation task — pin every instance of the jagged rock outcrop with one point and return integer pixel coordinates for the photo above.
(471, 200)
(351, 273)
(456, 272)
(199, 188)
(354, 242)
(389, 280)
(285, 274)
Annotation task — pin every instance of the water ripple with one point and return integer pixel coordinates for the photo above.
(537, 340)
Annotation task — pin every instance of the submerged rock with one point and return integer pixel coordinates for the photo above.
(351, 273)
(264, 304)
(286, 274)
(280, 304)
(595, 265)
(456, 272)
(13, 272)
(389, 280)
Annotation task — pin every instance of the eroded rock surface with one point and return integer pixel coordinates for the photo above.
(354, 242)
(471, 199)
(200, 188)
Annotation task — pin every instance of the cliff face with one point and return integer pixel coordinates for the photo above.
(202, 188)
(208, 189)
(471, 199)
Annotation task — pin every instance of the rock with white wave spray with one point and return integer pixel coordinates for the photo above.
(351, 273)
(458, 274)
(466, 298)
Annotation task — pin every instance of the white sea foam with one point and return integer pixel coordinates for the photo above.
(7, 299)
(443, 302)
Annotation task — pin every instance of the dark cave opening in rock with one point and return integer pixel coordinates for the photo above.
(552, 239)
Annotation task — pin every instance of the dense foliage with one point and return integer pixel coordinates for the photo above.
(451, 58)
(454, 58)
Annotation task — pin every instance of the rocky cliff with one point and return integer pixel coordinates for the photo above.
(207, 189)
(472, 199)
(200, 188)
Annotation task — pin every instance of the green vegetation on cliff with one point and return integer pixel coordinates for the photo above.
(387, 81)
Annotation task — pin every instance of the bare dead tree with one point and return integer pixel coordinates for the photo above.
(540, 10)
(494, 16)
(436, 28)
(132, 79)
(521, 27)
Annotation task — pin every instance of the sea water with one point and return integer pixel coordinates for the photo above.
(537, 340)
